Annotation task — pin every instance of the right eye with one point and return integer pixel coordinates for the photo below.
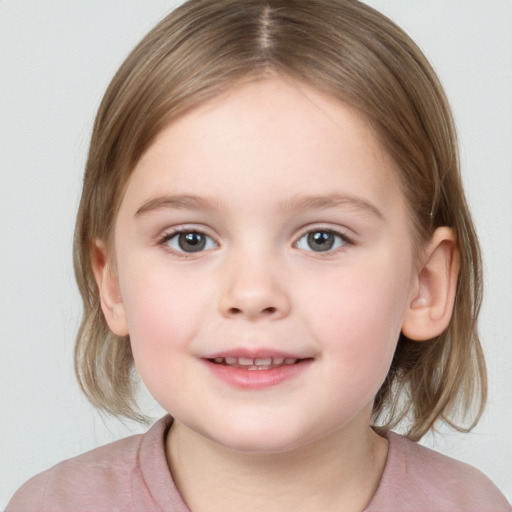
(189, 241)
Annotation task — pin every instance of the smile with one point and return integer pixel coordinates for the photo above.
(256, 371)
(248, 363)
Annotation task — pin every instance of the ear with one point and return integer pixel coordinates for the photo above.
(108, 286)
(431, 306)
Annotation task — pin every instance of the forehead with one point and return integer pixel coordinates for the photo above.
(265, 135)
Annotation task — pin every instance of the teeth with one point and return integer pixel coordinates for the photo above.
(255, 364)
(259, 362)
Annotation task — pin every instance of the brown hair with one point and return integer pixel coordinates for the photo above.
(351, 52)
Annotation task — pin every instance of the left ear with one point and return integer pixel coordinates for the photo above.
(431, 307)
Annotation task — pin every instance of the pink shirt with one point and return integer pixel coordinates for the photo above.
(132, 475)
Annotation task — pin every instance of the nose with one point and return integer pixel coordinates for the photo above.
(254, 290)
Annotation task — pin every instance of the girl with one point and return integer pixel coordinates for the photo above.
(273, 229)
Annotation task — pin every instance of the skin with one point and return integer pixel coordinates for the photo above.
(268, 163)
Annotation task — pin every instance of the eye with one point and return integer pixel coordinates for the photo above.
(189, 241)
(321, 240)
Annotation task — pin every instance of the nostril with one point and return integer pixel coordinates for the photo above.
(271, 310)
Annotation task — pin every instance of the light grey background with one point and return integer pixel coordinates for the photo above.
(56, 58)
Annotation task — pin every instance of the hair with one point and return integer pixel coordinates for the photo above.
(350, 52)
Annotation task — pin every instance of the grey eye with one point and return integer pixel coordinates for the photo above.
(321, 241)
(190, 241)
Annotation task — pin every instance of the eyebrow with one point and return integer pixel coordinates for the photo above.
(296, 203)
(177, 202)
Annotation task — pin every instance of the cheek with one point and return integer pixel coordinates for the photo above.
(163, 313)
(358, 319)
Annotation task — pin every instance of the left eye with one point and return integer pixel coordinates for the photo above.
(190, 241)
(321, 241)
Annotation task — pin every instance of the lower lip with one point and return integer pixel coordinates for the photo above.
(257, 379)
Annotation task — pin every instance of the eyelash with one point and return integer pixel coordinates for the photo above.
(167, 237)
(340, 243)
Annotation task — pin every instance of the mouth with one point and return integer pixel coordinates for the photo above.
(261, 369)
(252, 364)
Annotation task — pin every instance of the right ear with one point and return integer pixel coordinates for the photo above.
(108, 287)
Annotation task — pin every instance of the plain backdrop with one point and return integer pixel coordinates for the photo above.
(56, 58)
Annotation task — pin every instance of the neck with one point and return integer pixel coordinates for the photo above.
(338, 472)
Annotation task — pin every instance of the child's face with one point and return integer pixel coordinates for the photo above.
(266, 225)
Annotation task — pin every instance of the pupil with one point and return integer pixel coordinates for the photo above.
(191, 242)
(320, 240)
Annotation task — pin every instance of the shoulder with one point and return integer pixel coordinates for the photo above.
(100, 473)
(101, 479)
(418, 479)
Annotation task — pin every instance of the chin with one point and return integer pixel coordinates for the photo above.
(265, 439)
(260, 446)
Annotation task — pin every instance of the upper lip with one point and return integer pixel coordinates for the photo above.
(260, 353)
